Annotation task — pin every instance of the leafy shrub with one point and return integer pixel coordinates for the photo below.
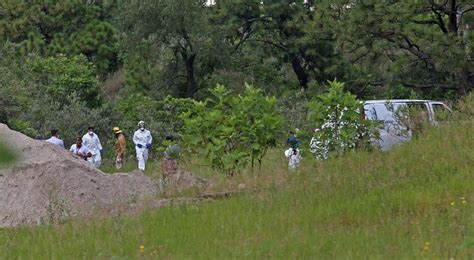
(13, 80)
(294, 109)
(464, 109)
(337, 114)
(62, 75)
(22, 126)
(162, 117)
(6, 156)
(71, 119)
(230, 130)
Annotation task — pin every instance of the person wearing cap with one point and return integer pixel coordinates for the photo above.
(142, 140)
(120, 146)
(92, 142)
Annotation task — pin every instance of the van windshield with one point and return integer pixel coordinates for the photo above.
(384, 112)
(416, 111)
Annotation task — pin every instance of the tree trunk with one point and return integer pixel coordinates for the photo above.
(191, 86)
(453, 17)
(299, 71)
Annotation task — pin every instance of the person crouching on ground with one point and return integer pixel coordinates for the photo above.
(170, 157)
(120, 146)
(294, 158)
(80, 150)
(142, 140)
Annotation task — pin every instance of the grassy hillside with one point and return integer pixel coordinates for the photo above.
(416, 201)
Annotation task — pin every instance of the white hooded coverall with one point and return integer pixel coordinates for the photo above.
(143, 138)
(92, 143)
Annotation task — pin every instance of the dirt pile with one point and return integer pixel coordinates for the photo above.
(48, 184)
(182, 180)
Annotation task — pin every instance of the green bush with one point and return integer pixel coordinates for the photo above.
(71, 118)
(294, 109)
(464, 109)
(13, 84)
(162, 117)
(22, 126)
(5, 155)
(338, 116)
(60, 75)
(230, 131)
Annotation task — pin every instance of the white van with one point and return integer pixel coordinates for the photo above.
(393, 131)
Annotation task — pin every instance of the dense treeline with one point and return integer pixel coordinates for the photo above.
(69, 64)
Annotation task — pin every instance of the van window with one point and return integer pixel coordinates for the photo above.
(369, 112)
(440, 112)
(382, 112)
(418, 112)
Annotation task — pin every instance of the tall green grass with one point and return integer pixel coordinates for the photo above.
(416, 201)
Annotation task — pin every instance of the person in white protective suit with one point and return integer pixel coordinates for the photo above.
(92, 142)
(142, 140)
(294, 158)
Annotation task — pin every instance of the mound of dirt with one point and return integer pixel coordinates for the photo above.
(182, 180)
(48, 184)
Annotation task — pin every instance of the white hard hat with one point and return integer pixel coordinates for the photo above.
(141, 124)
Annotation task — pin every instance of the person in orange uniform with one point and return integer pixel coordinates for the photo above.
(120, 146)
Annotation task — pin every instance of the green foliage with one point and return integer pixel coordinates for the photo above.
(62, 27)
(71, 117)
(6, 156)
(22, 126)
(413, 119)
(422, 45)
(162, 117)
(362, 205)
(465, 108)
(294, 108)
(180, 49)
(14, 94)
(61, 75)
(232, 131)
(279, 31)
(338, 116)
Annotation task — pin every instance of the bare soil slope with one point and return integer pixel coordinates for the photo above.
(48, 184)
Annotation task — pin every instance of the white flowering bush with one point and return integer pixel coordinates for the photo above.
(337, 115)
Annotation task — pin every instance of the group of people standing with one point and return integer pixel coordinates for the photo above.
(89, 147)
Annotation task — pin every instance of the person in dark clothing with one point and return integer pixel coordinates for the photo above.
(170, 157)
(292, 141)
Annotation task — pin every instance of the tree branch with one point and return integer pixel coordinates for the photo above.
(279, 46)
(427, 86)
(441, 23)
(426, 22)
(467, 10)
(243, 39)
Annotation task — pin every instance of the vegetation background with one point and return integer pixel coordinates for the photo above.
(415, 201)
(72, 64)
